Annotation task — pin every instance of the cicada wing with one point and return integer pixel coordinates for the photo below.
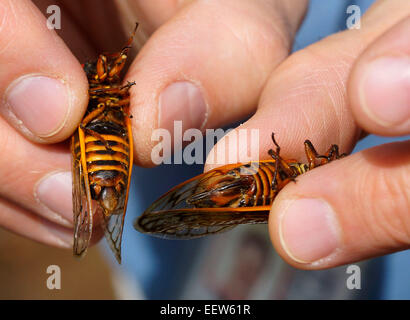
(113, 227)
(174, 215)
(198, 222)
(177, 197)
(114, 224)
(83, 218)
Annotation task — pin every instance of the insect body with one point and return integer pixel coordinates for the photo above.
(102, 154)
(224, 197)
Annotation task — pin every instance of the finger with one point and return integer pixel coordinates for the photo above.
(305, 97)
(349, 210)
(379, 86)
(36, 177)
(207, 65)
(42, 85)
(21, 221)
(36, 190)
(31, 226)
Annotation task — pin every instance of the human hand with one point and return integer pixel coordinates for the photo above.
(44, 89)
(239, 62)
(247, 40)
(44, 94)
(333, 92)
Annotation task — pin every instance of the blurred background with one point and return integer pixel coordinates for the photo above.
(240, 264)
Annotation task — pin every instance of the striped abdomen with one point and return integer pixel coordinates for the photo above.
(107, 155)
(264, 192)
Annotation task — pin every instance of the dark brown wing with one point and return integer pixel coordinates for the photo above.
(83, 218)
(177, 196)
(198, 222)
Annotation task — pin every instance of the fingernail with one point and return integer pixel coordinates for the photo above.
(55, 193)
(385, 90)
(182, 101)
(40, 103)
(308, 230)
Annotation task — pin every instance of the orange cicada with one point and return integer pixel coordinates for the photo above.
(102, 154)
(225, 197)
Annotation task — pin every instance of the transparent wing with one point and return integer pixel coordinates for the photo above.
(113, 227)
(83, 219)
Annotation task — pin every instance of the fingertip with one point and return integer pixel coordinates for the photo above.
(383, 95)
(304, 230)
(54, 193)
(348, 210)
(379, 84)
(44, 108)
(43, 88)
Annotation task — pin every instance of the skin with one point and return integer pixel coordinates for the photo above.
(237, 54)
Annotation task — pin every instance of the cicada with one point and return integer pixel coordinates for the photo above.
(102, 154)
(225, 197)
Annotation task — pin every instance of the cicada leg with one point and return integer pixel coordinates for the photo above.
(127, 45)
(312, 155)
(119, 62)
(280, 163)
(332, 154)
(113, 90)
(91, 116)
(101, 68)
